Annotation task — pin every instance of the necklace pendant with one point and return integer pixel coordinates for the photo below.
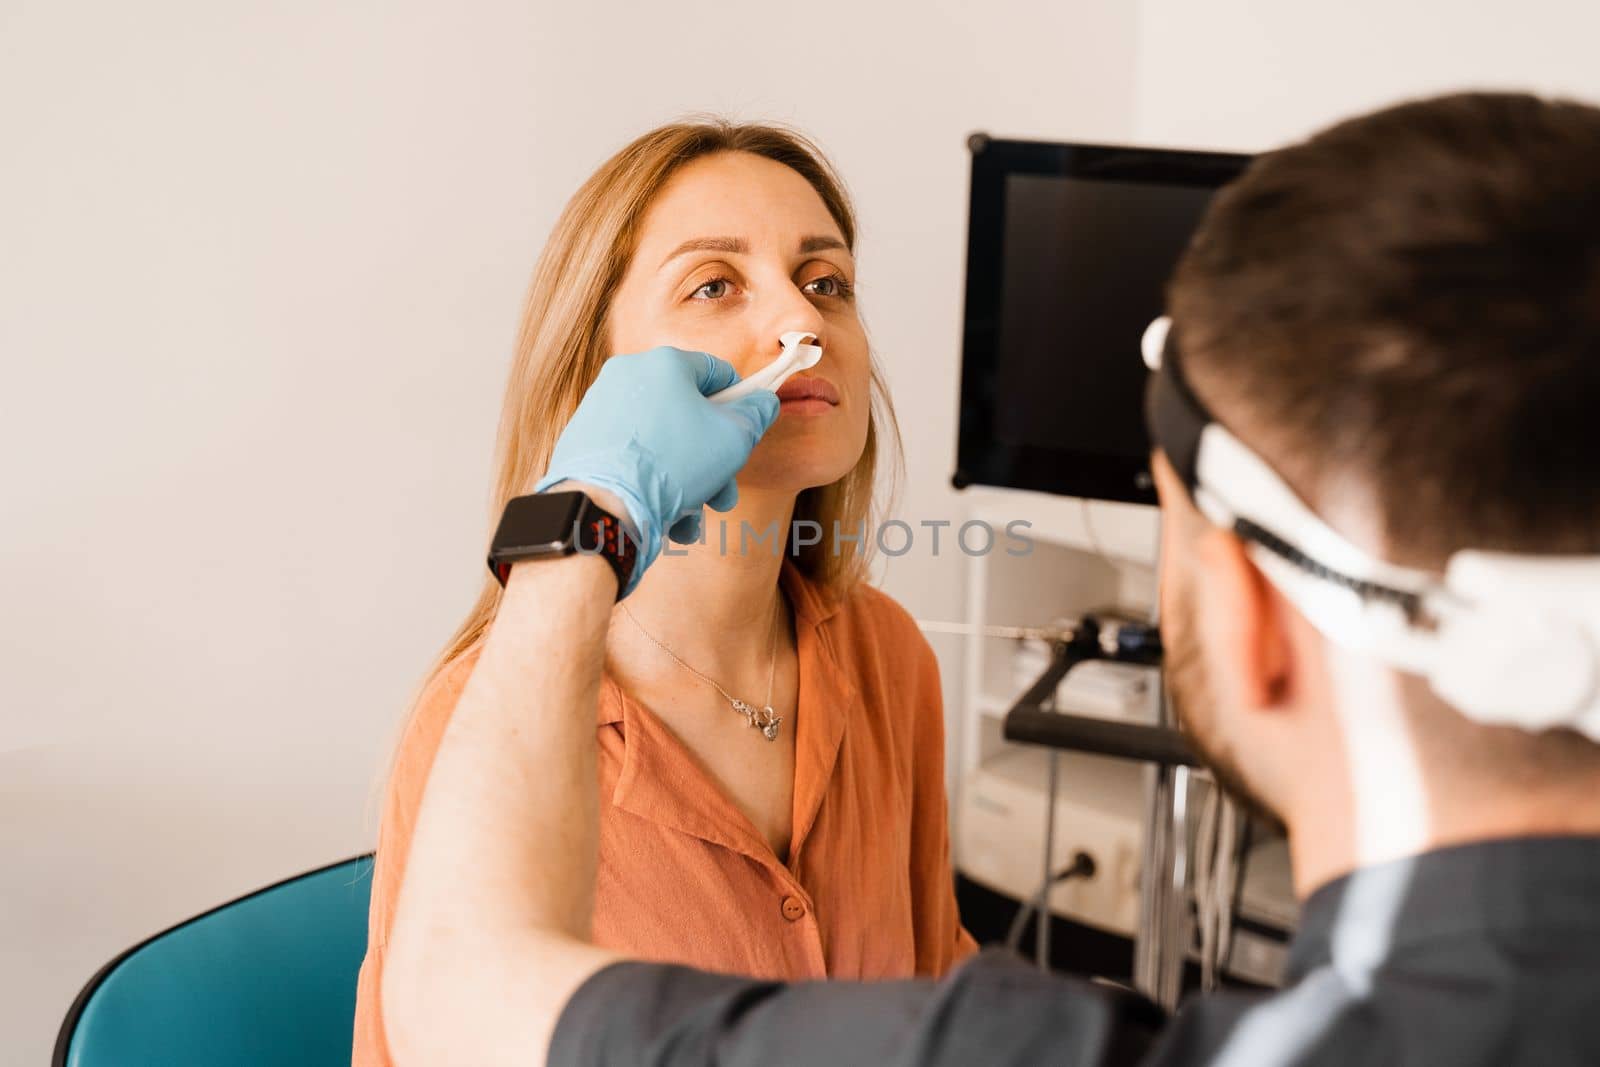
(769, 723)
(764, 719)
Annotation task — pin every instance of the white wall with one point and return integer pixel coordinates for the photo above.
(1250, 74)
(261, 274)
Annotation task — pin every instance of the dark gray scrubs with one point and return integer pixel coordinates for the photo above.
(1480, 954)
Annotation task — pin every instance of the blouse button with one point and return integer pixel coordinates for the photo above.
(793, 908)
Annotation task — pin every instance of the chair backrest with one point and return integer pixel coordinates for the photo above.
(266, 980)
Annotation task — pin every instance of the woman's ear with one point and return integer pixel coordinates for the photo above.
(1243, 622)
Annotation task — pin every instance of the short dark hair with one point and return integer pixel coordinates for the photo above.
(1410, 301)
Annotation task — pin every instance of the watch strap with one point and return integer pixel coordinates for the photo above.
(595, 531)
(601, 532)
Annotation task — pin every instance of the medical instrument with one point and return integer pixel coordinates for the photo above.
(1032, 720)
(1119, 638)
(1045, 633)
(762, 718)
(798, 354)
(1099, 687)
(1093, 637)
(1506, 639)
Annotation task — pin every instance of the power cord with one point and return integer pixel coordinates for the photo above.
(1082, 866)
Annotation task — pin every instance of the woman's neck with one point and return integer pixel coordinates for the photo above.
(714, 606)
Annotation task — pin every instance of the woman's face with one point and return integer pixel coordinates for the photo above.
(735, 251)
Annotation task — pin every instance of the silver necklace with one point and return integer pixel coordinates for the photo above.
(763, 717)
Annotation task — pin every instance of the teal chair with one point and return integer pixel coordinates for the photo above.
(267, 980)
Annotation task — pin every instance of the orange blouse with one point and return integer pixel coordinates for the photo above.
(684, 877)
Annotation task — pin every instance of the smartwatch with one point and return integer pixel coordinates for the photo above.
(552, 525)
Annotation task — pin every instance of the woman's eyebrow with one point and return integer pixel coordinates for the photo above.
(821, 244)
(738, 246)
(732, 245)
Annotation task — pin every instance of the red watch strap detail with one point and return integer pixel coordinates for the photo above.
(605, 534)
(601, 533)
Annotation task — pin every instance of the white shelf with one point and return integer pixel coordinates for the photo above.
(1085, 556)
(1112, 787)
(1097, 811)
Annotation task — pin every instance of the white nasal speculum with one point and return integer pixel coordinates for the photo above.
(797, 355)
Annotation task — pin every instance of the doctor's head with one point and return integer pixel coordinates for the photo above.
(1401, 316)
(713, 237)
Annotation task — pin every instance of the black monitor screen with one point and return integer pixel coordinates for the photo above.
(1069, 249)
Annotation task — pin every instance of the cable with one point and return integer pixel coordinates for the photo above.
(1228, 883)
(1205, 856)
(1216, 880)
(1041, 940)
(1082, 866)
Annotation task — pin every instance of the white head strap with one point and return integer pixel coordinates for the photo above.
(1506, 639)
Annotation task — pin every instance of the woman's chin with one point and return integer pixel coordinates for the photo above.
(795, 466)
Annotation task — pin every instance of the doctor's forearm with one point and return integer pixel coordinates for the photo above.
(488, 942)
(499, 887)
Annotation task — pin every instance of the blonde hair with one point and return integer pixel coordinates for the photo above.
(562, 343)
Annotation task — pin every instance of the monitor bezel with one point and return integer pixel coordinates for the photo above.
(980, 460)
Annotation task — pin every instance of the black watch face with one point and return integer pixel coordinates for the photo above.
(543, 523)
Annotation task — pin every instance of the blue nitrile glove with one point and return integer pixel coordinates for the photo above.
(646, 432)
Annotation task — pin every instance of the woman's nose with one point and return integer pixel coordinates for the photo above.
(793, 312)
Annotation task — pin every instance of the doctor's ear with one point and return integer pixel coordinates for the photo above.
(1242, 621)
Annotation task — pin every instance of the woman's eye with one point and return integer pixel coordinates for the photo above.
(829, 285)
(715, 289)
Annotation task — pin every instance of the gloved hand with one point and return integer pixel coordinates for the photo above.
(646, 432)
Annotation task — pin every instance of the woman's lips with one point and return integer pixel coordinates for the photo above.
(807, 396)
